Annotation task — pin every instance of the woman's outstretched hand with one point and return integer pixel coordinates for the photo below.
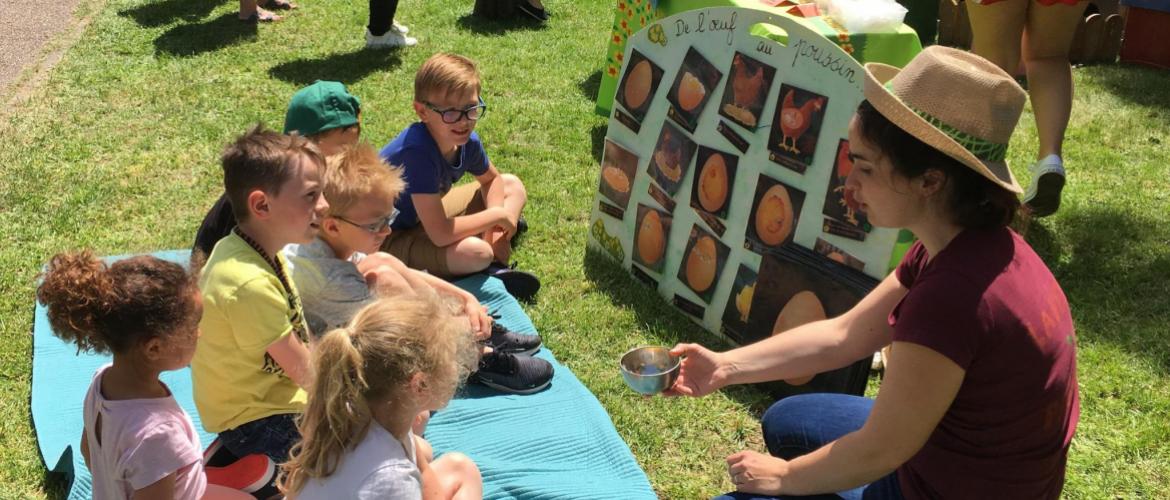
(699, 374)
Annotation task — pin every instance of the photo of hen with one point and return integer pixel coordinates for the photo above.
(743, 100)
(839, 201)
(795, 121)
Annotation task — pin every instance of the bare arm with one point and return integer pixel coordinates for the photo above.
(292, 356)
(85, 448)
(163, 489)
(917, 390)
(445, 231)
(493, 191)
(807, 350)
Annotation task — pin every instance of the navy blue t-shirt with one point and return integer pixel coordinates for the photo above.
(424, 169)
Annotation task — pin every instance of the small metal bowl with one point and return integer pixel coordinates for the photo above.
(649, 370)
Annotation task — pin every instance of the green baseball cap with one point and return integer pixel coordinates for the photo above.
(319, 107)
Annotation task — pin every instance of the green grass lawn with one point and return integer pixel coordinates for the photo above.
(117, 151)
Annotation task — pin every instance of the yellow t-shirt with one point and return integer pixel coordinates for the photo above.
(245, 309)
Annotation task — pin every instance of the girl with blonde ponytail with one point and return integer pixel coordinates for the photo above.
(398, 358)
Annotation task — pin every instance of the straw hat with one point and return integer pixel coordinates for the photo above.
(955, 101)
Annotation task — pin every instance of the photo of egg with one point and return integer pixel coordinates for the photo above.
(692, 88)
(671, 158)
(618, 167)
(804, 307)
(638, 85)
(714, 177)
(746, 90)
(774, 216)
(739, 304)
(702, 261)
(651, 231)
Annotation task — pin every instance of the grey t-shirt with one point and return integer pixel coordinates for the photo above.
(379, 467)
(332, 290)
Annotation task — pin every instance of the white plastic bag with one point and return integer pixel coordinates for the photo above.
(866, 16)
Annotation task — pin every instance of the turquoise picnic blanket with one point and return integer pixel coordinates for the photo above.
(573, 451)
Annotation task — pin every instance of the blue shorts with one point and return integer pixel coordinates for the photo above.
(273, 436)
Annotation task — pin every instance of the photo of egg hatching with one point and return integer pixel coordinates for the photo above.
(839, 201)
(746, 90)
(713, 179)
(795, 127)
(702, 262)
(651, 232)
(739, 303)
(692, 88)
(775, 213)
(638, 85)
(618, 166)
(671, 158)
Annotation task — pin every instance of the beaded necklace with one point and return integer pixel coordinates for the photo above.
(294, 301)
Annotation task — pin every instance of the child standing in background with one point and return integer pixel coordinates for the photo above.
(400, 356)
(137, 440)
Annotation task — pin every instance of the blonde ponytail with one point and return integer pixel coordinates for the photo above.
(369, 362)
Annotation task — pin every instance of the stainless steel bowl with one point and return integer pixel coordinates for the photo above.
(649, 370)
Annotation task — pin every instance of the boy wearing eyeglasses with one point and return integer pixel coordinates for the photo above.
(341, 270)
(449, 230)
(326, 114)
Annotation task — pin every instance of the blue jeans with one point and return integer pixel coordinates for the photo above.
(798, 425)
(273, 436)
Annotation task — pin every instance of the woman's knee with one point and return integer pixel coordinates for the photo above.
(800, 424)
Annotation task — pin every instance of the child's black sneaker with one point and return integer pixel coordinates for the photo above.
(522, 285)
(513, 374)
(511, 342)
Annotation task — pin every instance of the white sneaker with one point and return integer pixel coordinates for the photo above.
(1043, 194)
(390, 39)
(399, 27)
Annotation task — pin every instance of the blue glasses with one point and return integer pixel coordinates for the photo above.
(373, 227)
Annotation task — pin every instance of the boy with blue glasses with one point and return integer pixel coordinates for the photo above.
(449, 230)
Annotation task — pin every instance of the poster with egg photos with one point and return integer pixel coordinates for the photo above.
(764, 189)
(744, 95)
(651, 230)
(839, 201)
(672, 156)
(774, 215)
(702, 262)
(638, 85)
(739, 303)
(795, 127)
(618, 166)
(715, 175)
(692, 88)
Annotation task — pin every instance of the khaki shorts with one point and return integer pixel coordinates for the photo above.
(414, 248)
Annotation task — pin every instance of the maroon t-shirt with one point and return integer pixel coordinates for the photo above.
(989, 303)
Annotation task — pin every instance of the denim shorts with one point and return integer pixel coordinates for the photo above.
(273, 436)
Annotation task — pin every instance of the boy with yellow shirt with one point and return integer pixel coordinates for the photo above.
(252, 360)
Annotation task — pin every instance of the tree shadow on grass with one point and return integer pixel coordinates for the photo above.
(187, 40)
(1140, 85)
(1113, 267)
(347, 68)
(493, 27)
(666, 323)
(160, 13)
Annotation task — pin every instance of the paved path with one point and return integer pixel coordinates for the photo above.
(25, 27)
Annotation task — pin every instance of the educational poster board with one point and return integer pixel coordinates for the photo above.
(722, 178)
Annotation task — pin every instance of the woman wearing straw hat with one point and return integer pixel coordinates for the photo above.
(980, 397)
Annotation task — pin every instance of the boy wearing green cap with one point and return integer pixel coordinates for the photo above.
(325, 113)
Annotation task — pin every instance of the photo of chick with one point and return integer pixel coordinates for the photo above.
(618, 167)
(745, 93)
(638, 85)
(839, 201)
(702, 262)
(795, 127)
(692, 88)
(775, 213)
(714, 177)
(672, 156)
(739, 303)
(651, 230)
